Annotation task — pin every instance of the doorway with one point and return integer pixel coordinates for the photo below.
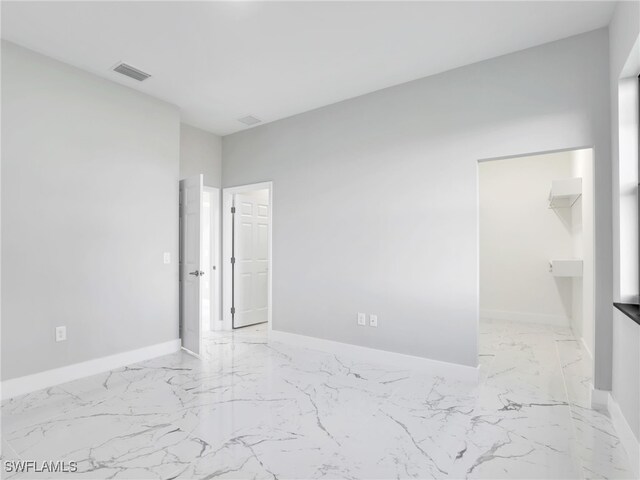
(199, 262)
(247, 246)
(536, 257)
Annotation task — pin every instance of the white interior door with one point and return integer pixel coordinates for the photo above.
(191, 245)
(251, 254)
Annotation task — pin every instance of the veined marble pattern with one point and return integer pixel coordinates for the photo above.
(254, 409)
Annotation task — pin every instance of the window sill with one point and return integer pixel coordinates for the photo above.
(631, 310)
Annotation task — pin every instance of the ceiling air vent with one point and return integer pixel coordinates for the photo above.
(131, 72)
(249, 120)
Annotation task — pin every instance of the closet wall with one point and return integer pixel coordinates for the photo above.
(520, 235)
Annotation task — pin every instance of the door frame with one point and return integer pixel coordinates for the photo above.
(227, 219)
(216, 239)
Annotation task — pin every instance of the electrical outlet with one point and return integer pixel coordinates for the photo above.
(362, 319)
(373, 320)
(167, 258)
(61, 334)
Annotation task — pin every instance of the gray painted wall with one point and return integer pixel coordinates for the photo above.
(375, 199)
(200, 152)
(89, 205)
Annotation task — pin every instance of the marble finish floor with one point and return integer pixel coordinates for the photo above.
(254, 409)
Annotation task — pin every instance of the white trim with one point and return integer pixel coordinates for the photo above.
(599, 398)
(534, 154)
(227, 202)
(371, 355)
(249, 187)
(49, 378)
(215, 322)
(525, 317)
(627, 438)
(193, 354)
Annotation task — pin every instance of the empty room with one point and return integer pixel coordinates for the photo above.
(309, 239)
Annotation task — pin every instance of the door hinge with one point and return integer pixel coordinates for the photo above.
(233, 209)
(233, 310)
(233, 260)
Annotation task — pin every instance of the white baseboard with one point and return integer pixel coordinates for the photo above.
(525, 317)
(627, 438)
(49, 378)
(371, 355)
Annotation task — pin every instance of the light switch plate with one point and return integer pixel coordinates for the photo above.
(167, 258)
(61, 334)
(373, 320)
(362, 319)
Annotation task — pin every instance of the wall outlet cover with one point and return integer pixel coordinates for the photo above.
(167, 258)
(373, 320)
(61, 334)
(362, 319)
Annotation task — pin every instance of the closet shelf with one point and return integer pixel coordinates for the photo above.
(565, 268)
(564, 193)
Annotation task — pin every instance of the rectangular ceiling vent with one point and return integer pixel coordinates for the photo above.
(131, 72)
(249, 120)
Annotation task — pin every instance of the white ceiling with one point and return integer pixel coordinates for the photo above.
(220, 61)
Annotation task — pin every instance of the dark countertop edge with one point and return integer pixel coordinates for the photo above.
(631, 310)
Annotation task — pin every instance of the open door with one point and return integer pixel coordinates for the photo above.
(191, 271)
(250, 264)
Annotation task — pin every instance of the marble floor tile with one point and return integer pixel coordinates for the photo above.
(597, 445)
(251, 408)
(34, 407)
